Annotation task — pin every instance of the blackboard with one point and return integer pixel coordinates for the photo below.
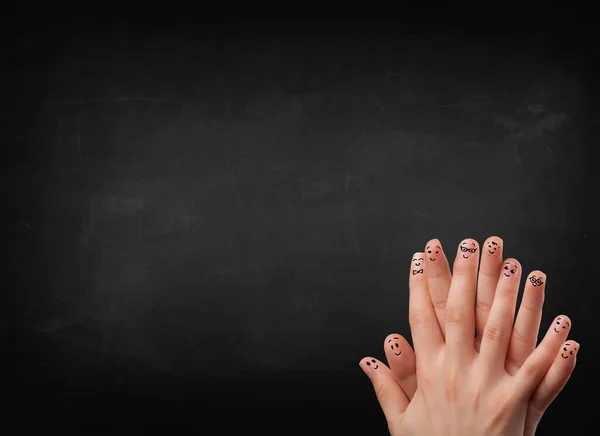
(199, 220)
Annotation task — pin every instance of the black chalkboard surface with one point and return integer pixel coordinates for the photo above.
(204, 224)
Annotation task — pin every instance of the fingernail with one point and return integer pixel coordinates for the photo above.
(509, 269)
(493, 246)
(467, 249)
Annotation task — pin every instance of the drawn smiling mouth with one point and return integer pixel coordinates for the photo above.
(555, 330)
(397, 354)
(431, 259)
(491, 252)
(563, 356)
(466, 257)
(506, 275)
(376, 366)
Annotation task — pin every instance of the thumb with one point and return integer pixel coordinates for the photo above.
(391, 397)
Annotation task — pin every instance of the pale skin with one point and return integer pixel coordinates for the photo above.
(496, 382)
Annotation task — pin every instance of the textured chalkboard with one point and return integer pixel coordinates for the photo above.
(218, 216)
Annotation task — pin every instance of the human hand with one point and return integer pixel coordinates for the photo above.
(497, 367)
(401, 357)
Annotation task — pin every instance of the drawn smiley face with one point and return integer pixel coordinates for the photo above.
(467, 248)
(492, 247)
(396, 351)
(561, 322)
(536, 281)
(568, 350)
(417, 262)
(510, 269)
(432, 251)
(376, 365)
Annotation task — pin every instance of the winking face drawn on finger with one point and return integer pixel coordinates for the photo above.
(509, 269)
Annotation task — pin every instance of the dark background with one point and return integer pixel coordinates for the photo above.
(208, 218)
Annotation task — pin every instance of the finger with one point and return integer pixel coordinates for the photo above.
(497, 331)
(551, 385)
(401, 359)
(391, 398)
(424, 326)
(460, 313)
(489, 273)
(537, 364)
(438, 278)
(525, 331)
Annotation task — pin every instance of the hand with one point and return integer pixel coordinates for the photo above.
(524, 335)
(465, 386)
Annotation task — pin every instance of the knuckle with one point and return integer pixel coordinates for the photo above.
(381, 392)
(416, 316)
(450, 386)
(427, 379)
(494, 333)
(529, 370)
(520, 337)
(439, 304)
(483, 306)
(454, 314)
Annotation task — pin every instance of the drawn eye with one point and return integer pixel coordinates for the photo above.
(373, 360)
(505, 267)
(565, 348)
(368, 363)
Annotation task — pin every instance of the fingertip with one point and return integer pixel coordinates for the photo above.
(395, 342)
(417, 264)
(492, 247)
(435, 242)
(513, 261)
(391, 337)
(537, 278)
(369, 364)
(564, 319)
(496, 239)
(569, 349)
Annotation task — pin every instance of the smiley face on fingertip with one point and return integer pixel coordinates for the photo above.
(561, 323)
(376, 365)
(391, 343)
(568, 350)
(492, 247)
(510, 269)
(467, 248)
(432, 251)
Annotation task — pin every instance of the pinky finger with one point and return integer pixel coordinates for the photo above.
(553, 382)
(391, 397)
